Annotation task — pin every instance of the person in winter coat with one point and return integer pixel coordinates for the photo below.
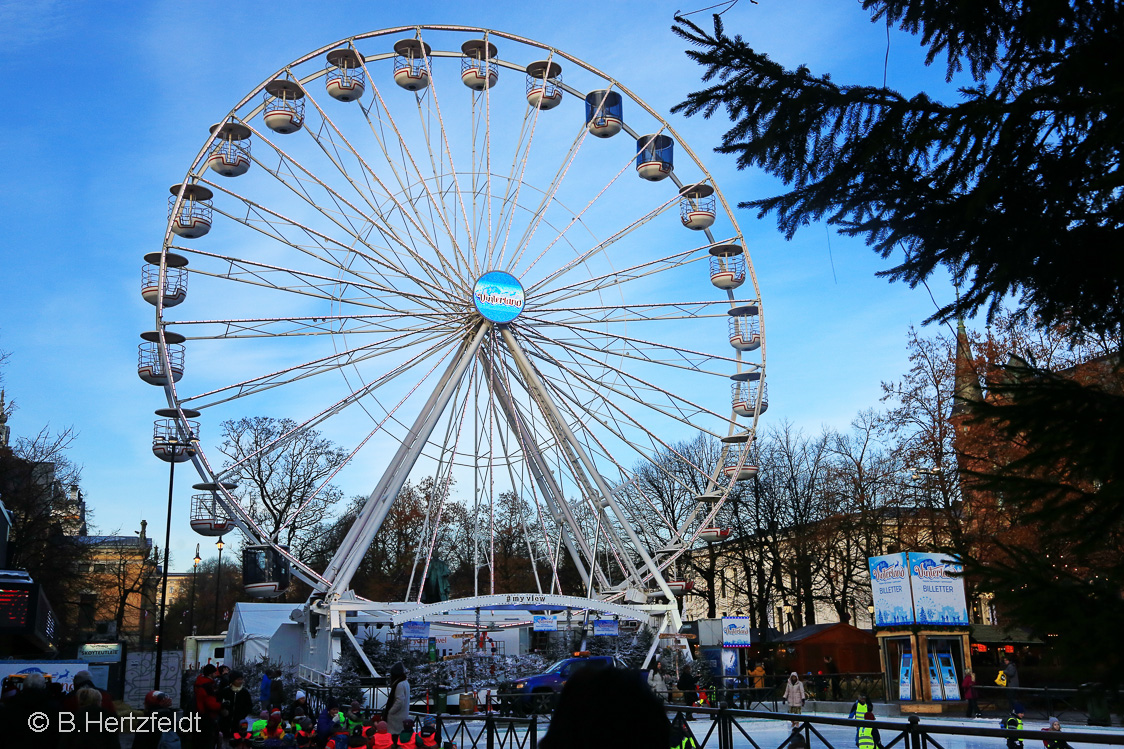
(656, 681)
(236, 703)
(263, 691)
(398, 702)
(299, 703)
(969, 692)
(381, 738)
(86, 679)
(860, 708)
(18, 709)
(158, 705)
(1014, 722)
(408, 739)
(277, 697)
(689, 686)
(328, 722)
(1054, 743)
(868, 738)
(208, 706)
(91, 718)
(794, 693)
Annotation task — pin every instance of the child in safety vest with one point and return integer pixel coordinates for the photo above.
(428, 738)
(241, 737)
(867, 737)
(408, 739)
(381, 738)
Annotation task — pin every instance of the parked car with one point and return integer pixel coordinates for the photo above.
(539, 693)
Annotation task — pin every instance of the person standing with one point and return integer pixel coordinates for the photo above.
(398, 700)
(794, 694)
(263, 692)
(831, 668)
(689, 686)
(968, 689)
(656, 681)
(860, 708)
(277, 697)
(1011, 680)
(867, 737)
(236, 703)
(1054, 743)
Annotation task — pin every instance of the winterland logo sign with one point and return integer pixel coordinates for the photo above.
(889, 585)
(498, 296)
(736, 632)
(938, 589)
(917, 588)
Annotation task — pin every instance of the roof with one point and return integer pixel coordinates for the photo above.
(256, 621)
(805, 632)
(994, 634)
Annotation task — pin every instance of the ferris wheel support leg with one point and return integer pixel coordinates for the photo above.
(552, 493)
(532, 379)
(366, 525)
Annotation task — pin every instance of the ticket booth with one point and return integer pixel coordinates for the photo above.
(924, 666)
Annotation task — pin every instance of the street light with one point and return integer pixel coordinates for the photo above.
(194, 574)
(218, 579)
(870, 610)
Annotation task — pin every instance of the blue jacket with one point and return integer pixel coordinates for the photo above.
(265, 682)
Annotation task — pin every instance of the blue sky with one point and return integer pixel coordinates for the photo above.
(109, 102)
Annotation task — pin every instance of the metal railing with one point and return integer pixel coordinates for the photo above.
(726, 724)
(487, 731)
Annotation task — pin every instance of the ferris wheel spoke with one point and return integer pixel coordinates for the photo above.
(315, 285)
(280, 327)
(601, 246)
(274, 220)
(559, 294)
(650, 312)
(312, 368)
(382, 224)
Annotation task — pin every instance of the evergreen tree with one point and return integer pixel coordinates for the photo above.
(1015, 190)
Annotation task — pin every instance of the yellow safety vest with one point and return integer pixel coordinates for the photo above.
(866, 738)
(861, 710)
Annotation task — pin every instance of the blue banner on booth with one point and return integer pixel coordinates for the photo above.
(938, 589)
(889, 585)
(415, 630)
(905, 678)
(606, 628)
(545, 623)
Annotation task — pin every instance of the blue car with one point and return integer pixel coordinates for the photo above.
(539, 693)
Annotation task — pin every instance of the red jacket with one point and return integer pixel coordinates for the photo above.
(206, 703)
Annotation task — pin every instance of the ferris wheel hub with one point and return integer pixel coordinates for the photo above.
(498, 296)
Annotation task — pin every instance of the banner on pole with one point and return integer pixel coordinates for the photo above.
(545, 623)
(415, 630)
(606, 628)
(736, 632)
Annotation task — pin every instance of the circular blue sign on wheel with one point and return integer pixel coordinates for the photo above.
(498, 296)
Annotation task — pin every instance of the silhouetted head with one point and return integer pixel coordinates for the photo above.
(592, 704)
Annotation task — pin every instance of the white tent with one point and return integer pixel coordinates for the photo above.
(251, 626)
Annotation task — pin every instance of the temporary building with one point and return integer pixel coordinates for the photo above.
(251, 627)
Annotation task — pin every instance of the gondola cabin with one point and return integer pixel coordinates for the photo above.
(727, 266)
(193, 219)
(283, 106)
(345, 79)
(230, 155)
(265, 571)
(604, 113)
(544, 84)
(745, 328)
(208, 516)
(696, 207)
(150, 365)
(411, 64)
(478, 71)
(714, 535)
(744, 396)
(175, 279)
(654, 157)
(170, 443)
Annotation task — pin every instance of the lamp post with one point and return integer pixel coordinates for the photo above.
(218, 580)
(194, 574)
(870, 610)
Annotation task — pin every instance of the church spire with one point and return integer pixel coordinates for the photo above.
(967, 383)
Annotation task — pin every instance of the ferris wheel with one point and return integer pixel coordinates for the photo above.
(465, 255)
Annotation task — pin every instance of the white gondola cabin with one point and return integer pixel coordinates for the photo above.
(170, 442)
(345, 79)
(744, 394)
(696, 207)
(714, 535)
(727, 266)
(208, 516)
(411, 64)
(735, 468)
(265, 571)
(283, 106)
(544, 84)
(604, 113)
(678, 588)
(175, 279)
(150, 365)
(654, 157)
(745, 327)
(193, 220)
(478, 71)
(230, 156)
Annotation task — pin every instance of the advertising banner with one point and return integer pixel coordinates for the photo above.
(736, 632)
(545, 623)
(415, 630)
(606, 628)
(61, 672)
(938, 596)
(935, 688)
(905, 678)
(889, 585)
